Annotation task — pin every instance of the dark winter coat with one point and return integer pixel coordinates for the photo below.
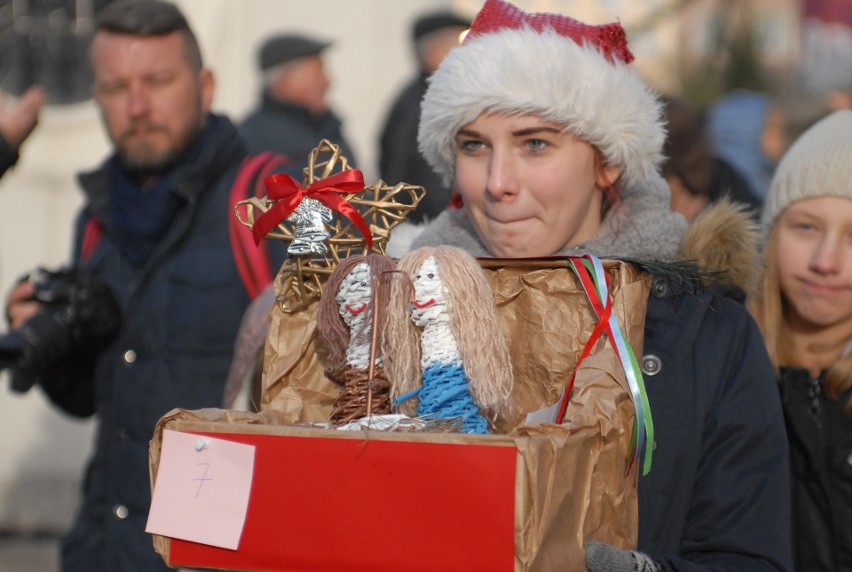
(291, 130)
(180, 312)
(400, 160)
(717, 496)
(820, 436)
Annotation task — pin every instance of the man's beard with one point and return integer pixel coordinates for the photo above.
(144, 160)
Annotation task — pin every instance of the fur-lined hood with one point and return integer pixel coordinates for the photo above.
(724, 240)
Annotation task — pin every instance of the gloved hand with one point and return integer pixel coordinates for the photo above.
(601, 557)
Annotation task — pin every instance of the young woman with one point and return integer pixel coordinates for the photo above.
(804, 309)
(553, 143)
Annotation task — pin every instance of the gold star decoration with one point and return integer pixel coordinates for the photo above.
(308, 266)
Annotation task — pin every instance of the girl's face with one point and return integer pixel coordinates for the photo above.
(354, 294)
(813, 251)
(530, 188)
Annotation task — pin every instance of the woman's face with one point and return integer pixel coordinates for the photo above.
(813, 251)
(530, 188)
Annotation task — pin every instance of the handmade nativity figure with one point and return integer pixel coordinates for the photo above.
(329, 217)
(350, 322)
(445, 350)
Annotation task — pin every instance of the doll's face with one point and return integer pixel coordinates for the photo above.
(355, 294)
(813, 251)
(530, 188)
(430, 304)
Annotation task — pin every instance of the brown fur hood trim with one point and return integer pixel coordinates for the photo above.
(723, 240)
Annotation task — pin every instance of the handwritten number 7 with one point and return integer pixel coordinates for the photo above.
(203, 478)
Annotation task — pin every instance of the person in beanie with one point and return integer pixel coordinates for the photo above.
(804, 308)
(554, 142)
(293, 115)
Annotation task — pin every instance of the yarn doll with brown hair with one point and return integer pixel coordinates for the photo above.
(348, 313)
(446, 348)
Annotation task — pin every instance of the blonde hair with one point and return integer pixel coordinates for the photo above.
(473, 322)
(768, 307)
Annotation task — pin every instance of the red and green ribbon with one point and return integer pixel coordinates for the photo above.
(288, 194)
(595, 283)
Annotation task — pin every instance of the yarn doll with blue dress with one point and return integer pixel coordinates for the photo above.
(446, 356)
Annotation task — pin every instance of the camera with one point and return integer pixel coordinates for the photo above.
(78, 314)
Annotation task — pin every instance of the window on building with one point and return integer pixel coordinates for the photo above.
(45, 42)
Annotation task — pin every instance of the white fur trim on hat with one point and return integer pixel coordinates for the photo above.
(818, 164)
(522, 71)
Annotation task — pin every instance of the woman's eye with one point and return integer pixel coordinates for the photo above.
(471, 145)
(804, 226)
(430, 276)
(536, 144)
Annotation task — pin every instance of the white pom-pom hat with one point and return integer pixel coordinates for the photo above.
(552, 66)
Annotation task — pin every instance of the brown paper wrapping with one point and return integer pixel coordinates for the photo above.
(572, 480)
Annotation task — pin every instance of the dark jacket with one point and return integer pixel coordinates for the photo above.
(400, 160)
(291, 130)
(180, 312)
(820, 436)
(717, 495)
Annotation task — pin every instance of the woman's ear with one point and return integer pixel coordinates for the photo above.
(607, 175)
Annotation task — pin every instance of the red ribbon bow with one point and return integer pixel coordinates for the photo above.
(289, 194)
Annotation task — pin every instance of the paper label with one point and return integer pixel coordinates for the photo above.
(202, 489)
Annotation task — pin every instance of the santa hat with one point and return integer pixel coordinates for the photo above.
(553, 66)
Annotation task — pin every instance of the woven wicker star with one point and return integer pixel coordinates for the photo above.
(364, 218)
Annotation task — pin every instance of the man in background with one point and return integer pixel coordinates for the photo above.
(433, 35)
(293, 115)
(154, 232)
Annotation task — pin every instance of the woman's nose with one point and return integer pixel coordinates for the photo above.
(502, 180)
(828, 256)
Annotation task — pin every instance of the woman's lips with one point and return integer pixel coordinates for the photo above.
(425, 304)
(508, 220)
(817, 288)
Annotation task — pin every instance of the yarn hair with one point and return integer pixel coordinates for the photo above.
(331, 328)
(473, 322)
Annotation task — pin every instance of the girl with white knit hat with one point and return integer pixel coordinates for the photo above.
(553, 142)
(804, 308)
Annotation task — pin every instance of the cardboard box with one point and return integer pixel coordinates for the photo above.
(525, 500)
